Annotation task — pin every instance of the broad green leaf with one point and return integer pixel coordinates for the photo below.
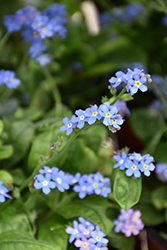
(6, 152)
(53, 231)
(90, 211)
(18, 240)
(4, 176)
(127, 97)
(92, 138)
(127, 190)
(150, 215)
(120, 241)
(41, 144)
(144, 125)
(21, 134)
(1, 127)
(159, 197)
(11, 220)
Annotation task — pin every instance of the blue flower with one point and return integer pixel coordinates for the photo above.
(121, 161)
(74, 179)
(85, 222)
(98, 236)
(7, 77)
(136, 156)
(61, 180)
(98, 246)
(44, 182)
(69, 124)
(86, 230)
(92, 114)
(11, 23)
(122, 107)
(36, 49)
(117, 80)
(107, 112)
(137, 83)
(3, 193)
(105, 191)
(47, 170)
(81, 118)
(132, 168)
(75, 232)
(82, 189)
(43, 59)
(147, 167)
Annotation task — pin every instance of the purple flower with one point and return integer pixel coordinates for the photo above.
(132, 168)
(69, 124)
(75, 232)
(3, 193)
(44, 182)
(122, 107)
(84, 244)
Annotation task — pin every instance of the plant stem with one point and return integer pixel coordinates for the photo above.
(118, 96)
(4, 40)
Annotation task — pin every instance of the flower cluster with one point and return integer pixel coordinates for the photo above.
(3, 193)
(161, 171)
(87, 235)
(50, 178)
(7, 77)
(134, 163)
(89, 184)
(37, 26)
(107, 112)
(132, 80)
(128, 222)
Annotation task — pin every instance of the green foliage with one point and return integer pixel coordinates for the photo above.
(6, 152)
(127, 190)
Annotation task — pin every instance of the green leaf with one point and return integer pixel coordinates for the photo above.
(41, 144)
(160, 153)
(120, 241)
(30, 114)
(127, 97)
(53, 231)
(150, 215)
(18, 240)
(159, 197)
(6, 152)
(11, 220)
(18, 176)
(89, 210)
(21, 134)
(4, 175)
(127, 190)
(1, 127)
(144, 125)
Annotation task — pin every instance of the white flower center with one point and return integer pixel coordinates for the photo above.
(59, 180)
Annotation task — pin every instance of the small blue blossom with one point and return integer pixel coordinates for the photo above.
(7, 77)
(161, 170)
(137, 83)
(136, 156)
(47, 170)
(36, 49)
(98, 236)
(74, 179)
(82, 189)
(69, 124)
(44, 182)
(147, 167)
(75, 232)
(132, 168)
(86, 230)
(43, 59)
(3, 193)
(92, 114)
(117, 80)
(81, 118)
(11, 23)
(121, 161)
(61, 180)
(107, 112)
(85, 222)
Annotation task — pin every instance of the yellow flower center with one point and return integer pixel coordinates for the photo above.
(108, 114)
(94, 113)
(11, 79)
(86, 232)
(135, 218)
(59, 180)
(44, 30)
(121, 161)
(119, 79)
(39, 24)
(84, 244)
(75, 231)
(87, 223)
(83, 188)
(101, 179)
(139, 157)
(114, 120)
(145, 166)
(103, 189)
(132, 227)
(98, 238)
(82, 117)
(164, 165)
(134, 167)
(127, 216)
(95, 184)
(137, 83)
(1, 191)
